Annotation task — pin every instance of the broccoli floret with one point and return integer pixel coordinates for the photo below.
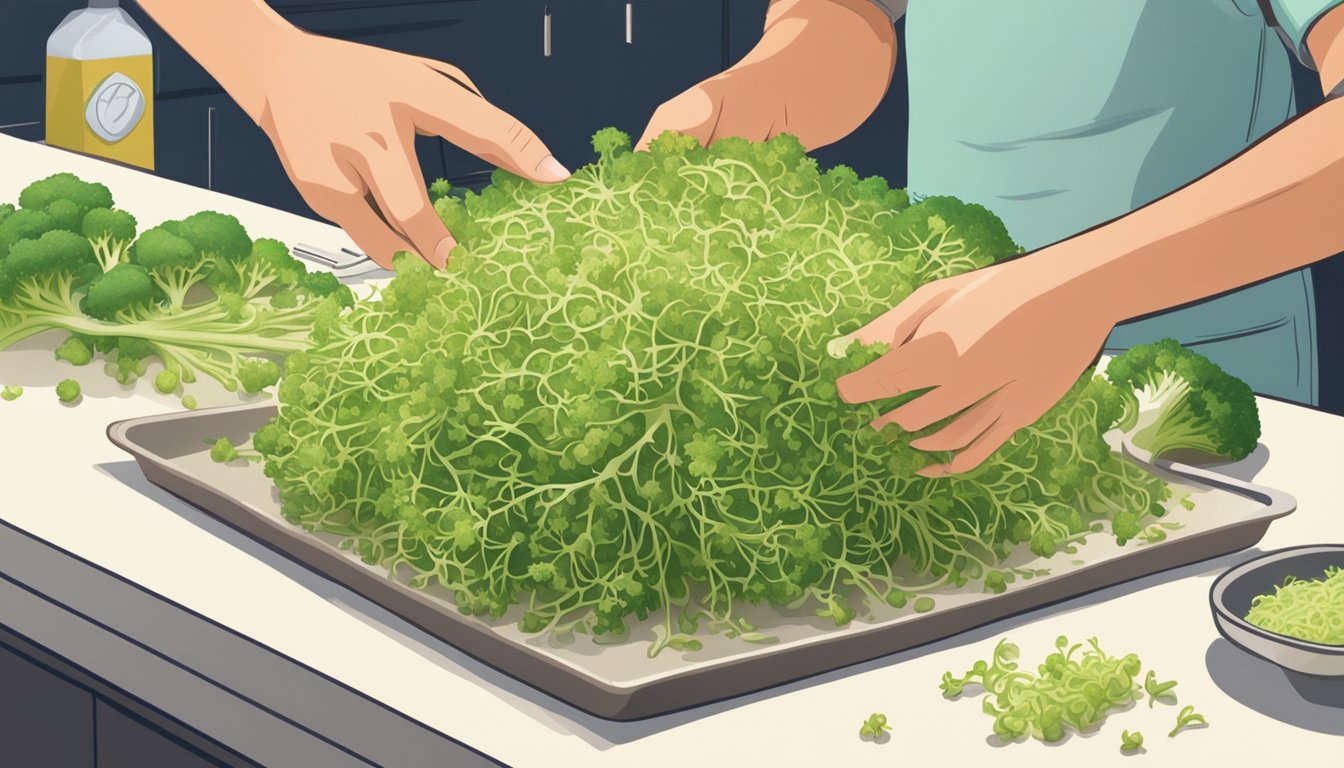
(124, 292)
(6, 210)
(255, 375)
(11, 392)
(171, 260)
(65, 215)
(57, 255)
(65, 186)
(166, 381)
(223, 451)
(439, 190)
(111, 233)
(23, 224)
(74, 351)
(68, 390)
(1194, 404)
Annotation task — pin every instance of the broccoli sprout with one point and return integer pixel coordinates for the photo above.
(68, 390)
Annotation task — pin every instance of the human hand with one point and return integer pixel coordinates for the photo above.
(819, 70)
(995, 349)
(343, 118)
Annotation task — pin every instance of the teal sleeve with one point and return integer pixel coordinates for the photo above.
(895, 9)
(1295, 18)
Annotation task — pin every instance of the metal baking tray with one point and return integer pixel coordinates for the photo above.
(620, 681)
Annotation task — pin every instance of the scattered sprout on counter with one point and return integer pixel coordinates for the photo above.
(1158, 691)
(189, 402)
(11, 393)
(1307, 609)
(1070, 690)
(874, 726)
(1188, 718)
(68, 391)
(1131, 742)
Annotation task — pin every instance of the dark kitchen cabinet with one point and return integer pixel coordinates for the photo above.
(45, 720)
(653, 50)
(124, 741)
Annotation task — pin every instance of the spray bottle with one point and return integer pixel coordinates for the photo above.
(100, 85)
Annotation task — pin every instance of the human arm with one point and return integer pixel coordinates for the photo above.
(343, 118)
(820, 68)
(999, 346)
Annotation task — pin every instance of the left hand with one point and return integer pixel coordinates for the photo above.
(996, 348)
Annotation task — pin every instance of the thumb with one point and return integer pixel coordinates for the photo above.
(693, 112)
(474, 124)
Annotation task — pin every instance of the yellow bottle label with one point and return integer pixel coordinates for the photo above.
(103, 107)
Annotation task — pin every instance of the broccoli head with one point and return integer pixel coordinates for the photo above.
(124, 291)
(111, 233)
(56, 254)
(217, 236)
(1192, 404)
(23, 224)
(171, 260)
(65, 215)
(75, 351)
(65, 186)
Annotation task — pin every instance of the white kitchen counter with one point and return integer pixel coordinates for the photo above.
(66, 485)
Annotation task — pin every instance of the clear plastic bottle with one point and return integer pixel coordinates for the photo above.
(100, 85)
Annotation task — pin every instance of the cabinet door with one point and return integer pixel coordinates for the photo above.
(653, 50)
(540, 65)
(22, 108)
(126, 742)
(44, 719)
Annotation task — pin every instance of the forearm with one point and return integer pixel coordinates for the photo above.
(232, 39)
(1272, 209)
(831, 61)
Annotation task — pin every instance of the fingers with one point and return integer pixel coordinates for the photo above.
(974, 455)
(358, 217)
(962, 431)
(918, 364)
(897, 325)
(445, 108)
(397, 186)
(693, 113)
(932, 407)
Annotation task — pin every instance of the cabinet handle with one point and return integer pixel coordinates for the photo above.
(546, 31)
(629, 23)
(209, 147)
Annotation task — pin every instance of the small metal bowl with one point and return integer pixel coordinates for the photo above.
(1231, 595)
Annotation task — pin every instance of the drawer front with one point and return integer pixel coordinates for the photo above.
(126, 742)
(44, 718)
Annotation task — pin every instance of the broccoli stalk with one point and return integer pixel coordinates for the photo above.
(111, 233)
(1178, 400)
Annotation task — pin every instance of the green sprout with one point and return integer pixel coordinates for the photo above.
(874, 726)
(1188, 718)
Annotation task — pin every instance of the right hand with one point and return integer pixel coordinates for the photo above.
(819, 70)
(730, 104)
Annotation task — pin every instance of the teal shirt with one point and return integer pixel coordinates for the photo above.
(1059, 115)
